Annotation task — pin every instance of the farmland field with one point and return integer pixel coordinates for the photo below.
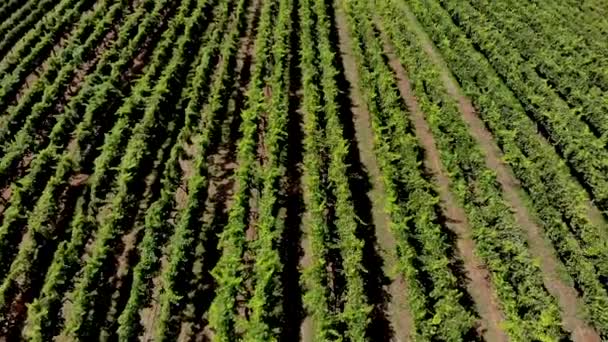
(314, 170)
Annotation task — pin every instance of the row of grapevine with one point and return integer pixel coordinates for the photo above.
(156, 226)
(51, 85)
(356, 308)
(21, 20)
(106, 76)
(585, 51)
(317, 297)
(133, 108)
(433, 293)
(38, 42)
(585, 18)
(326, 152)
(572, 138)
(572, 77)
(534, 162)
(181, 243)
(579, 244)
(41, 322)
(22, 200)
(26, 191)
(28, 53)
(40, 230)
(10, 7)
(266, 302)
(152, 184)
(552, 29)
(223, 316)
(454, 141)
(139, 148)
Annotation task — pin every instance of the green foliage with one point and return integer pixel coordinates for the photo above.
(27, 16)
(316, 297)
(13, 8)
(157, 215)
(25, 55)
(579, 243)
(583, 152)
(410, 198)
(530, 310)
(326, 149)
(501, 52)
(44, 93)
(266, 302)
(77, 323)
(182, 240)
(573, 69)
(227, 272)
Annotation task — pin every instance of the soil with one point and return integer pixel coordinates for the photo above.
(479, 286)
(149, 314)
(566, 295)
(186, 164)
(5, 195)
(400, 316)
(306, 327)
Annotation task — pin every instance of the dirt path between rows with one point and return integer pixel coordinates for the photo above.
(306, 327)
(566, 295)
(401, 320)
(479, 285)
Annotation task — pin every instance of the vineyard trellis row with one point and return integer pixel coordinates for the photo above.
(200, 170)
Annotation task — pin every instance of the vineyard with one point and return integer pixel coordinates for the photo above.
(303, 170)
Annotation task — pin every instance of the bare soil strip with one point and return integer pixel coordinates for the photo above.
(479, 286)
(400, 316)
(306, 327)
(539, 247)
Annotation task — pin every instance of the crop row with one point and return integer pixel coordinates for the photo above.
(266, 302)
(572, 138)
(44, 93)
(34, 47)
(500, 242)
(586, 18)
(138, 149)
(572, 77)
(579, 243)
(433, 293)
(326, 177)
(268, 67)
(317, 296)
(26, 190)
(10, 7)
(158, 214)
(21, 20)
(181, 244)
(41, 322)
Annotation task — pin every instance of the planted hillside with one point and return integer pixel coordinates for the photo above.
(315, 170)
